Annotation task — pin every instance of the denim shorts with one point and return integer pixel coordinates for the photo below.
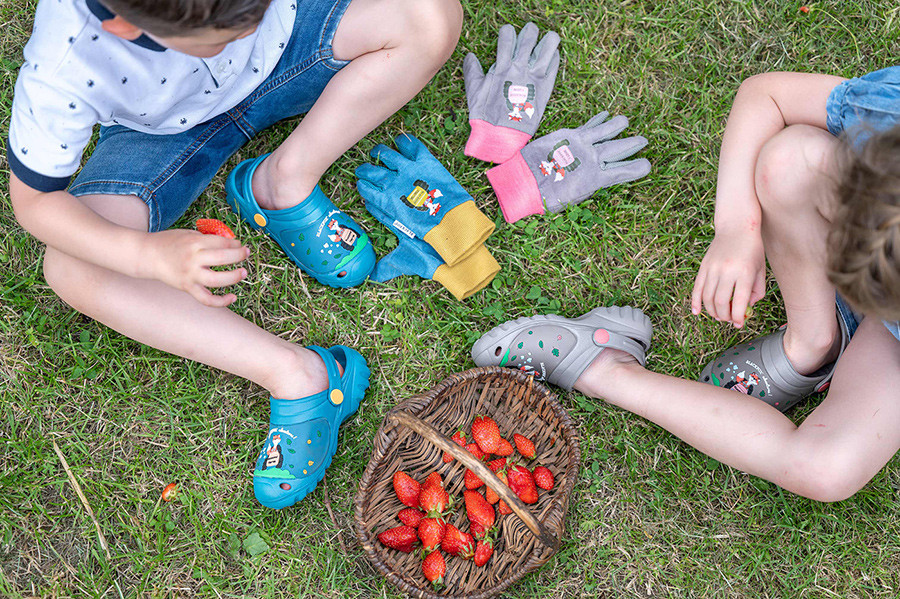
(168, 172)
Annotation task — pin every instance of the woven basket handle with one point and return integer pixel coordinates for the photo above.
(484, 473)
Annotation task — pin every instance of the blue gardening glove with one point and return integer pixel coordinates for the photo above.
(566, 167)
(423, 199)
(506, 104)
(415, 257)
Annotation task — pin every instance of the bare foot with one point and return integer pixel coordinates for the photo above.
(303, 375)
(810, 351)
(603, 372)
(276, 186)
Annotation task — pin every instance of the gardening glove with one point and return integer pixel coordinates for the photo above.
(566, 167)
(423, 199)
(506, 105)
(415, 257)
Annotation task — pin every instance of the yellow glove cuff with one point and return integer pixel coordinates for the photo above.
(460, 233)
(470, 275)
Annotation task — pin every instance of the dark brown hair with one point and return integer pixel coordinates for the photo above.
(178, 17)
(864, 243)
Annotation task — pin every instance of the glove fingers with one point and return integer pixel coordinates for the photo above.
(630, 170)
(595, 120)
(390, 158)
(506, 45)
(369, 191)
(473, 73)
(605, 130)
(544, 53)
(376, 175)
(619, 149)
(525, 43)
(389, 267)
(410, 147)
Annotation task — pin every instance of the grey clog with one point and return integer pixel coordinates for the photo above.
(559, 349)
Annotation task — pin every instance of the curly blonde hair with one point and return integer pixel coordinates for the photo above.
(864, 242)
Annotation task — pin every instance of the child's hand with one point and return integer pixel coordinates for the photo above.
(183, 259)
(731, 278)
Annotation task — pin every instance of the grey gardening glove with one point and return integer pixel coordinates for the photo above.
(506, 104)
(566, 167)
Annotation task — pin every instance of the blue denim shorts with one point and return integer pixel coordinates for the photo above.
(168, 172)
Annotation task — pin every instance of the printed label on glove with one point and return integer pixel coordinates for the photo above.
(560, 160)
(519, 100)
(404, 229)
(421, 198)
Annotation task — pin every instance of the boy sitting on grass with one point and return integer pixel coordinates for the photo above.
(809, 177)
(178, 86)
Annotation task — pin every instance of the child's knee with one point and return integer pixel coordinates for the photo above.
(826, 472)
(792, 164)
(434, 27)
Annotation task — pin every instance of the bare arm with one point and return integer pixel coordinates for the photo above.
(734, 264)
(179, 258)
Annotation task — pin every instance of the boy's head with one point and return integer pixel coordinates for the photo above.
(196, 27)
(864, 245)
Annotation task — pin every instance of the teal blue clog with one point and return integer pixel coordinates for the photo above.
(323, 241)
(303, 433)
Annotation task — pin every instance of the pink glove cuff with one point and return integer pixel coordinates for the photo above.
(492, 143)
(516, 189)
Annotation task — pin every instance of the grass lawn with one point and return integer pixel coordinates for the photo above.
(650, 516)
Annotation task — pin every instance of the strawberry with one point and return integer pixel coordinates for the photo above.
(476, 451)
(434, 500)
(472, 480)
(504, 448)
(434, 568)
(401, 538)
(496, 465)
(490, 496)
(433, 479)
(431, 532)
(478, 531)
(459, 437)
(483, 552)
(479, 511)
(458, 543)
(543, 478)
(407, 489)
(486, 433)
(411, 516)
(211, 226)
(503, 508)
(522, 483)
(524, 445)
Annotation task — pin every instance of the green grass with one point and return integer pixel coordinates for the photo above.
(651, 517)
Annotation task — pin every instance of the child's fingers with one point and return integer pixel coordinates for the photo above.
(708, 296)
(207, 298)
(227, 256)
(739, 304)
(724, 293)
(222, 278)
(696, 299)
(759, 287)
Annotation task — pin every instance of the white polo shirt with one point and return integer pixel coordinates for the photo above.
(77, 75)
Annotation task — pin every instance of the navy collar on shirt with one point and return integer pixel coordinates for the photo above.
(104, 14)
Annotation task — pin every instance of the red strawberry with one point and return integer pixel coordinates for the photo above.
(478, 510)
(483, 552)
(434, 568)
(478, 531)
(431, 532)
(434, 500)
(476, 451)
(504, 509)
(490, 496)
(401, 538)
(504, 448)
(211, 226)
(524, 445)
(522, 483)
(472, 480)
(543, 478)
(496, 465)
(433, 479)
(486, 433)
(460, 438)
(407, 489)
(458, 543)
(411, 516)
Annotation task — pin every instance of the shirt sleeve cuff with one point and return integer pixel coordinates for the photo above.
(31, 178)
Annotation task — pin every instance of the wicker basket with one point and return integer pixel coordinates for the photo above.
(413, 438)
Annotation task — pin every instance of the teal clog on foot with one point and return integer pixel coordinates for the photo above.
(323, 241)
(303, 433)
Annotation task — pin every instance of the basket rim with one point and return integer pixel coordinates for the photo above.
(415, 405)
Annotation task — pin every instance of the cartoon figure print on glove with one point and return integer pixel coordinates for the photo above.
(345, 236)
(421, 198)
(519, 100)
(560, 160)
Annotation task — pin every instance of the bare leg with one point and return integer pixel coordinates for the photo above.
(833, 454)
(155, 314)
(395, 47)
(796, 197)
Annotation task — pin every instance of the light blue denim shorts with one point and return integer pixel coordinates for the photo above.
(169, 172)
(857, 108)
